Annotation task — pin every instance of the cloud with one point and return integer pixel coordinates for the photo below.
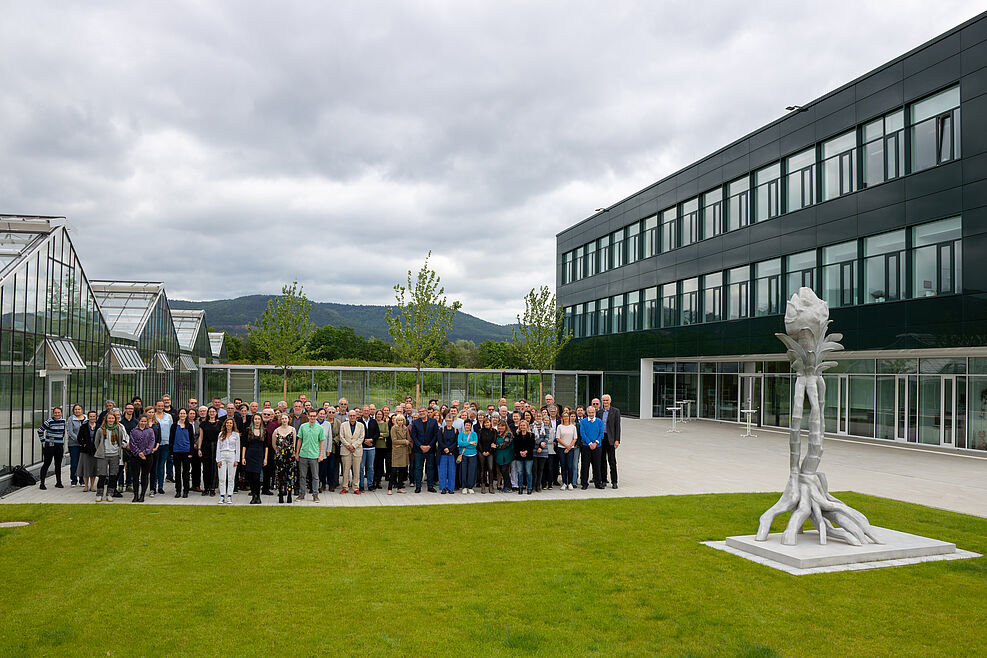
(227, 148)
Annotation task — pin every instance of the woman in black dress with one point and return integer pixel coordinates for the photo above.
(206, 447)
(253, 456)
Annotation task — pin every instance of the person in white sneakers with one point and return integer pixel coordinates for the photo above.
(227, 455)
(566, 438)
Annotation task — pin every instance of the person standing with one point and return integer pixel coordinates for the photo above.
(125, 478)
(253, 455)
(591, 436)
(524, 447)
(543, 441)
(351, 435)
(52, 437)
(163, 419)
(181, 440)
(284, 450)
(332, 450)
(400, 449)
(196, 416)
(227, 455)
(109, 444)
(467, 441)
(142, 447)
(504, 455)
(487, 447)
(152, 423)
(87, 452)
(367, 459)
(611, 441)
(73, 424)
(382, 449)
(311, 446)
(448, 450)
(173, 412)
(271, 423)
(424, 437)
(565, 436)
(206, 447)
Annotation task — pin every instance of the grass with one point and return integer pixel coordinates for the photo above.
(624, 576)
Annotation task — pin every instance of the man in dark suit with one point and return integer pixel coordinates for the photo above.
(611, 440)
(424, 438)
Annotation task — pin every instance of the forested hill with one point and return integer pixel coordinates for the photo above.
(233, 315)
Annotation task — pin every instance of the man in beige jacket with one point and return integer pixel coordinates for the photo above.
(351, 435)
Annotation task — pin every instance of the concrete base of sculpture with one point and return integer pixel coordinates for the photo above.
(808, 556)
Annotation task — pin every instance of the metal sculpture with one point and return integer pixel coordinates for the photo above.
(807, 492)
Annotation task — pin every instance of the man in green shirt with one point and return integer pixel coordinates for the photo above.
(310, 448)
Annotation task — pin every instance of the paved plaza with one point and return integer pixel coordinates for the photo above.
(705, 457)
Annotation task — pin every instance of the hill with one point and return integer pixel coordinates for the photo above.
(233, 315)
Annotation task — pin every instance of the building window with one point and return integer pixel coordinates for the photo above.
(668, 220)
(690, 221)
(567, 321)
(712, 213)
(839, 172)
(884, 267)
(690, 301)
(801, 271)
(884, 148)
(767, 192)
(590, 313)
(935, 129)
(617, 249)
(592, 262)
(767, 287)
(738, 282)
(840, 274)
(617, 314)
(801, 180)
(936, 255)
(669, 306)
(633, 242)
(651, 236)
(633, 305)
(567, 268)
(651, 308)
(579, 263)
(603, 253)
(713, 297)
(603, 316)
(578, 328)
(738, 203)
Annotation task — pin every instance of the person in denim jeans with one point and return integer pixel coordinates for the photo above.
(73, 424)
(448, 449)
(467, 440)
(524, 446)
(568, 448)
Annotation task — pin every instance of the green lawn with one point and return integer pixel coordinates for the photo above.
(625, 576)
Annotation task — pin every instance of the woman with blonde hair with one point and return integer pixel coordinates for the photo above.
(400, 454)
(227, 456)
(283, 439)
(109, 440)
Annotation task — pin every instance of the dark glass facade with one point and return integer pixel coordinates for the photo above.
(874, 195)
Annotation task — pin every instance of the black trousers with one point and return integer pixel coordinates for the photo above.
(183, 470)
(269, 470)
(196, 469)
(538, 471)
(487, 470)
(50, 453)
(210, 476)
(505, 474)
(382, 456)
(586, 458)
(609, 457)
(141, 468)
(253, 479)
(396, 476)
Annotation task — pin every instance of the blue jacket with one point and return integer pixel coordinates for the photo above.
(448, 438)
(467, 443)
(424, 434)
(591, 432)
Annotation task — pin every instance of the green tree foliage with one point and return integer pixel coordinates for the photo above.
(538, 335)
(422, 321)
(329, 343)
(459, 354)
(234, 347)
(499, 354)
(283, 330)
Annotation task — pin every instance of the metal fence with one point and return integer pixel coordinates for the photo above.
(382, 386)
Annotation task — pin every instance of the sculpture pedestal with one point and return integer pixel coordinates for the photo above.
(808, 556)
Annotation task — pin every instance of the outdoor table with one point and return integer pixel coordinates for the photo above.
(675, 410)
(748, 413)
(688, 410)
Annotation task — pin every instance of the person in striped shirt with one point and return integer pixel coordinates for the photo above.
(52, 436)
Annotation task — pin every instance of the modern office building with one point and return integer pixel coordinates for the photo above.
(874, 195)
(66, 339)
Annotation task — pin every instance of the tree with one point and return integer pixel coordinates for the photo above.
(283, 329)
(539, 335)
(498, 354)
(423, 320)
(329, 343)
(234, 347)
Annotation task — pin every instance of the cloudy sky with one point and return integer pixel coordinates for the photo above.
(229, 147)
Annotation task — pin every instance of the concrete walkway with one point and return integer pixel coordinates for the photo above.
(706, 457)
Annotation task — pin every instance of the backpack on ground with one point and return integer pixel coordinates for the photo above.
(22, 477)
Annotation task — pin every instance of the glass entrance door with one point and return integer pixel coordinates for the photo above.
(906, 408)
(750, 398)
(953, 407)
(56, 393)
(837, 408)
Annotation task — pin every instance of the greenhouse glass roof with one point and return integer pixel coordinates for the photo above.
(187, 325)
(126, 305)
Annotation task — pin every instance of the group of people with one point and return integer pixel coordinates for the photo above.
(311, 449)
